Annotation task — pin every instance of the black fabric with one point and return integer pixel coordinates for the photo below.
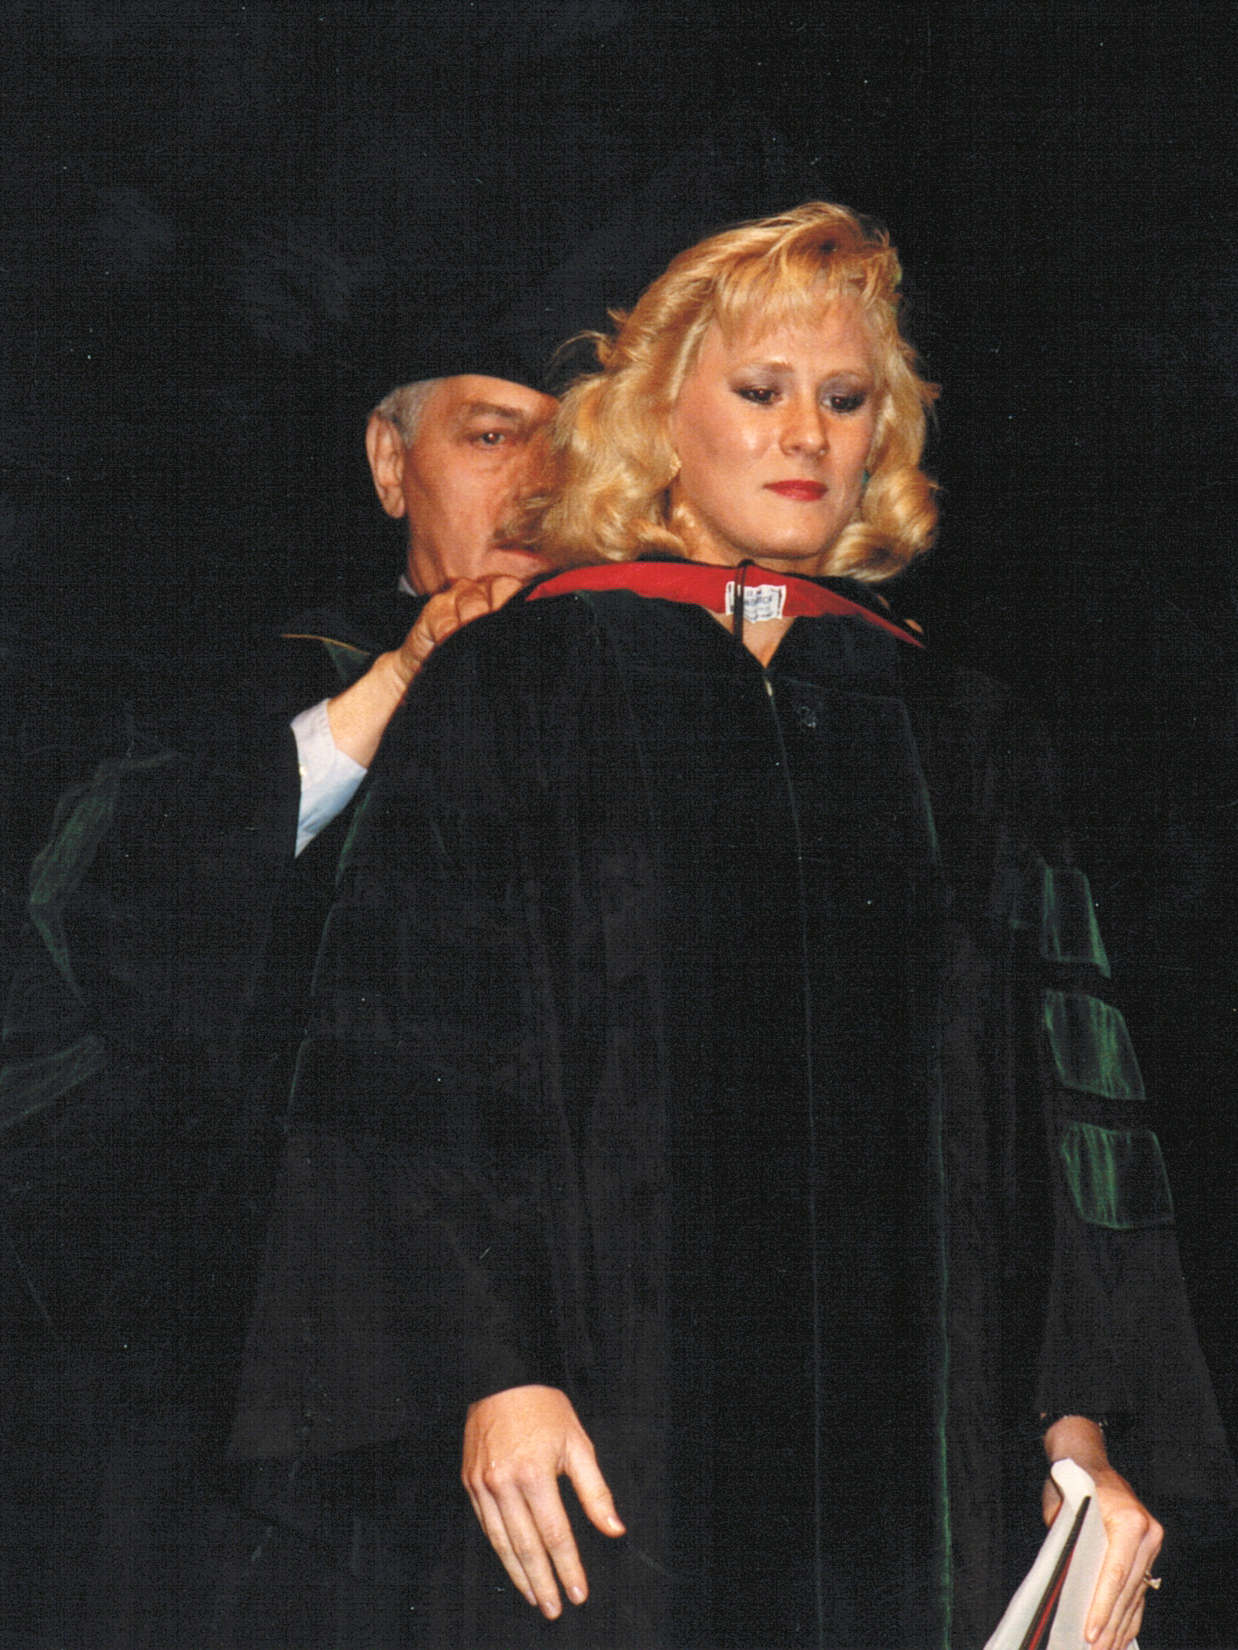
(675, 1042)
(135, 1205)
(438, 355)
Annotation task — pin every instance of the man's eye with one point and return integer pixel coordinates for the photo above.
(489, 438)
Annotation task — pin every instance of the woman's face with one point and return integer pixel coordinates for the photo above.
(772, 431)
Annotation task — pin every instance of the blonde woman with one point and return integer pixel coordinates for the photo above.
(711, 1064)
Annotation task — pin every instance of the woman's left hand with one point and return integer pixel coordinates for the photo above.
(1134, 1536)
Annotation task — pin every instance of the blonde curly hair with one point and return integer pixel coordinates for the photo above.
(614, 461)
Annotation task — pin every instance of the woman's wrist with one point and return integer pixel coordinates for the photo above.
(1081, 1438)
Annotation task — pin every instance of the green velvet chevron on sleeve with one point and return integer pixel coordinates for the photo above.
(1116, 1176)
(83, 816)
(1091, 1046)
(27, 1086)
(1056, 901)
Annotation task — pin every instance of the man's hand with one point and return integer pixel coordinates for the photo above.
(445, 613)
(1116, 1612)
(360, 714)
(516, 1445)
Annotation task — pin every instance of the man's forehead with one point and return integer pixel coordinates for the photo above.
(472, 395)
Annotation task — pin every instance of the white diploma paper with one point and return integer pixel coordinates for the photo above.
(1080, 1583)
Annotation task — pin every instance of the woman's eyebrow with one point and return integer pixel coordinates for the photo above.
(761, 364)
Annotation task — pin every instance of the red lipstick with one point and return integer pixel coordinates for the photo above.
(806, 491)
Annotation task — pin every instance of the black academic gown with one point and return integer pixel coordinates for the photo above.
(727, 1047)
(157, 1000)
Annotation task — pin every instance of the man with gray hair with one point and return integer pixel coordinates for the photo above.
(454, 456)
(198, 832)
(155, 1010)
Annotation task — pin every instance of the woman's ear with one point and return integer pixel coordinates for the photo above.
(385, 449)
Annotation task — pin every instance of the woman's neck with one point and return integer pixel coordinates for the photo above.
(760, 638)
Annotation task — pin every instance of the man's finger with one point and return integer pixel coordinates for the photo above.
(500, 587)
(470, 603)
(473, 597)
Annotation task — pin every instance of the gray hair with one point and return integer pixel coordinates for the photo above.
(403, 407)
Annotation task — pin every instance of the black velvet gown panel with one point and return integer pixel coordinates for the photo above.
(667, 1048)
(793, 860)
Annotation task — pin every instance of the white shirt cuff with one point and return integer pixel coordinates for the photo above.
(329, 779)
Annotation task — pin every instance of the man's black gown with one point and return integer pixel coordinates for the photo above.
(728, 1047)
(156, 1002)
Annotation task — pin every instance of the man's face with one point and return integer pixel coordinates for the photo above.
(479, 450)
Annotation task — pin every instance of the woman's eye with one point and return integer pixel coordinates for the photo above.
(762, 394)
(846, 403)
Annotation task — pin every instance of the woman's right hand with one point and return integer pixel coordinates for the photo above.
(517, 1443)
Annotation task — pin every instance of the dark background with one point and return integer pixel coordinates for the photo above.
(228, 229)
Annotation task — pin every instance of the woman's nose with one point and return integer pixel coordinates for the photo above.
(805, 430)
